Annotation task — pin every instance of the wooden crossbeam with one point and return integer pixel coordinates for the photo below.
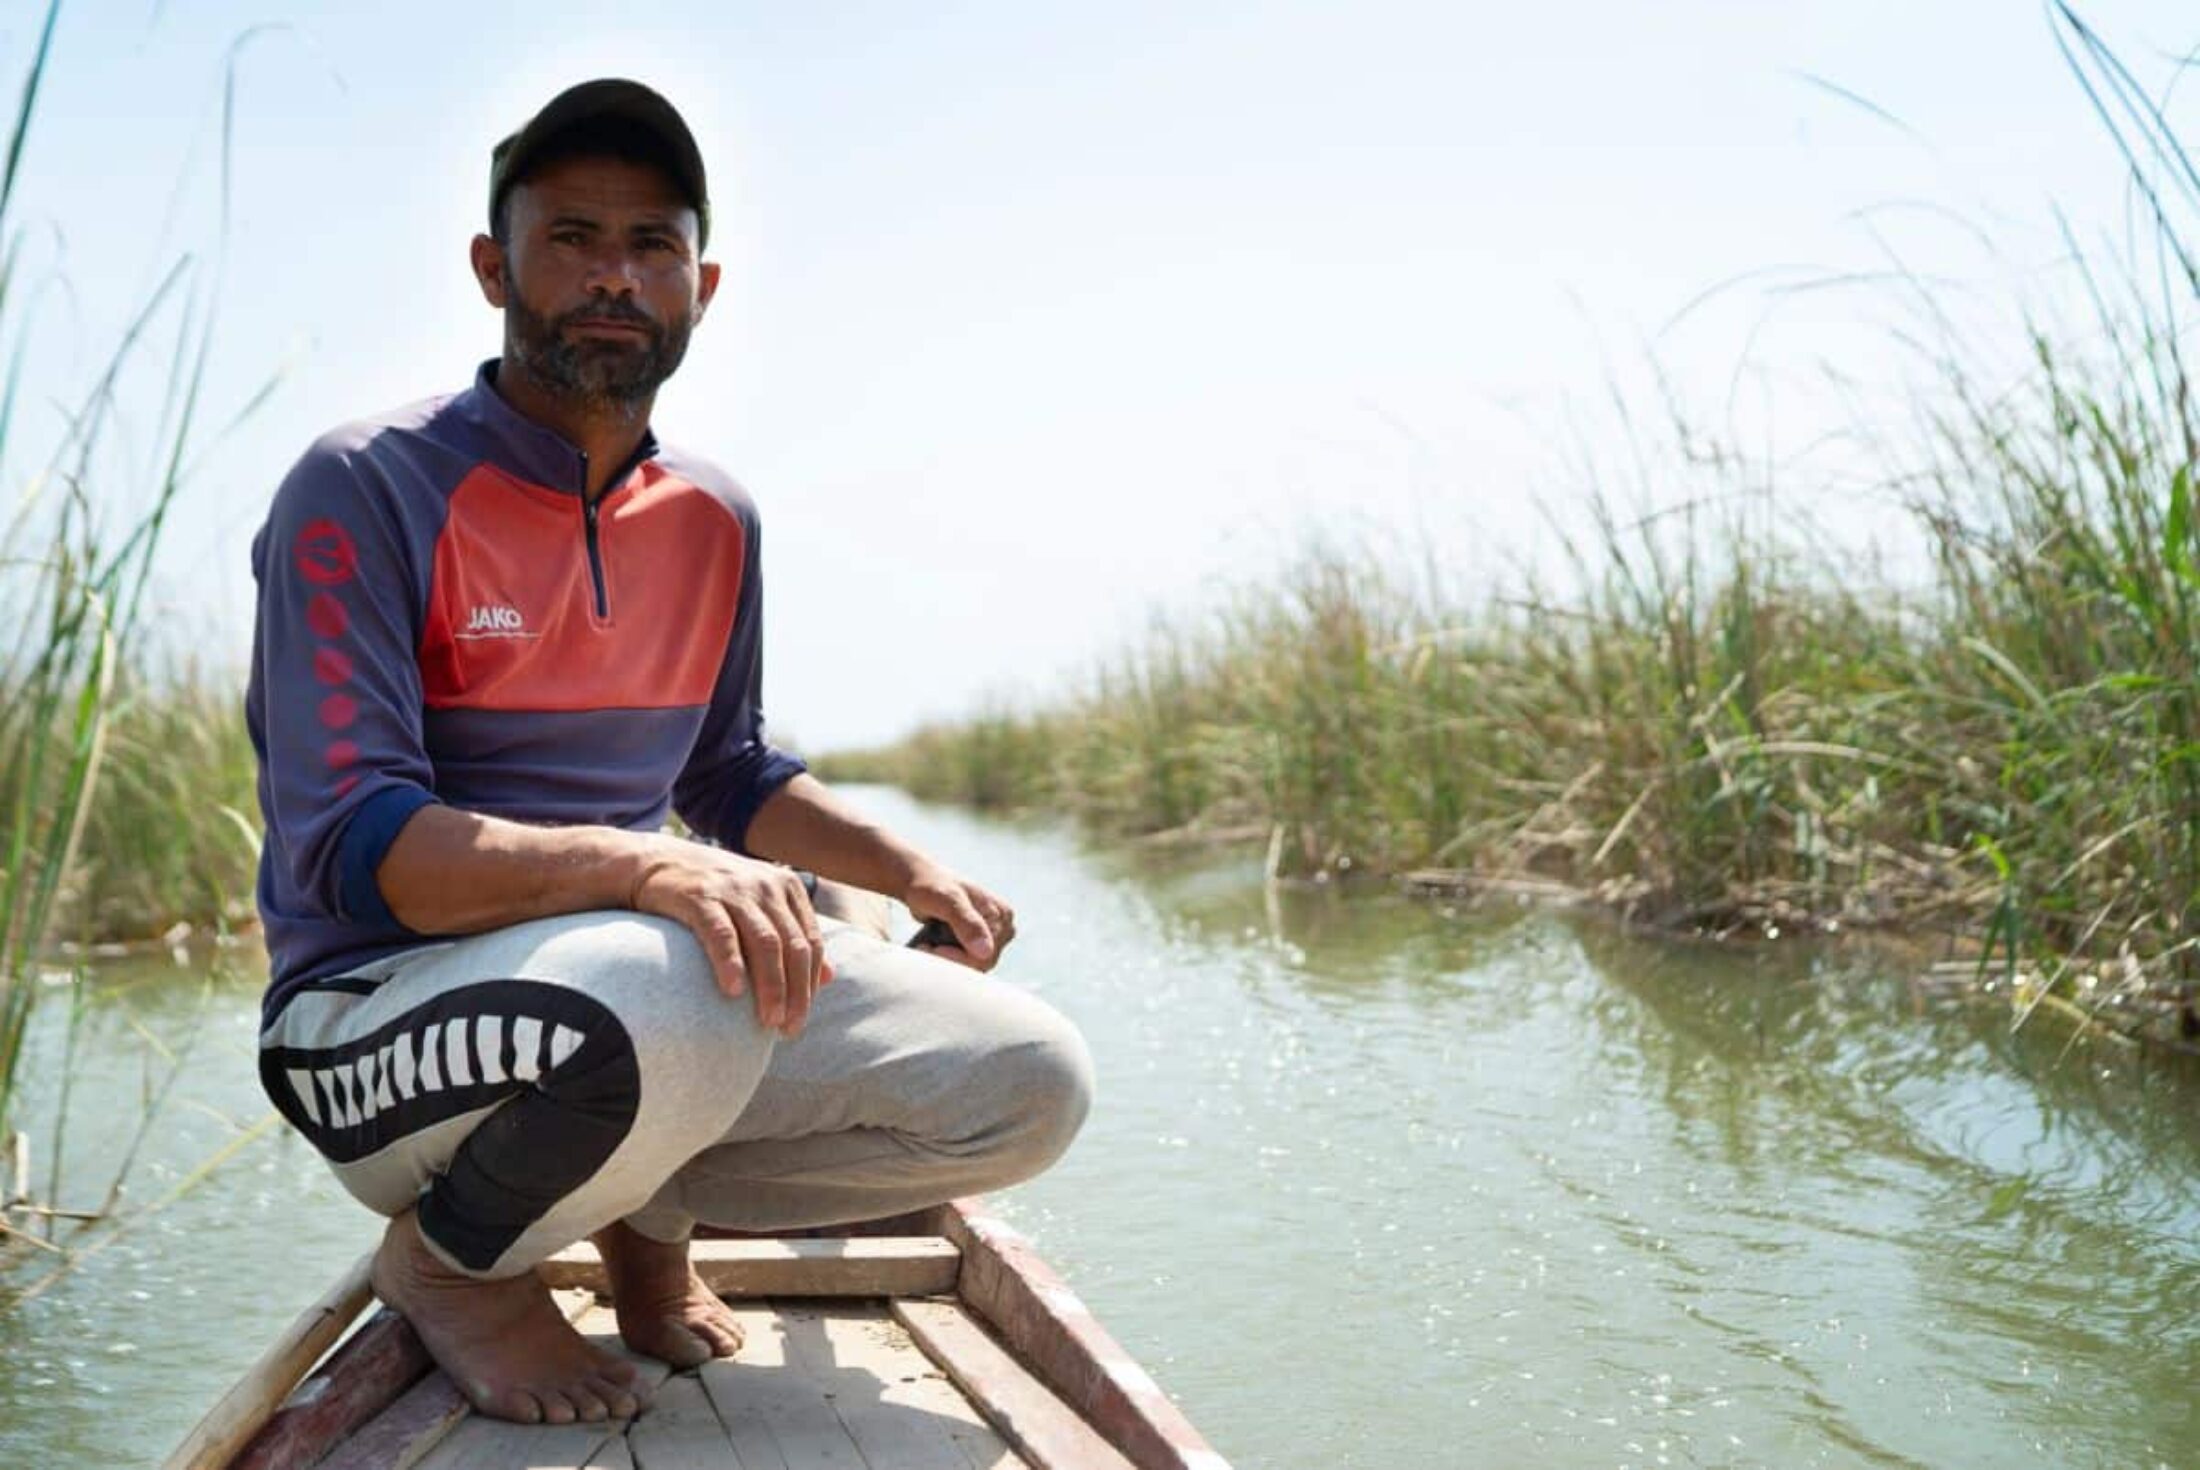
(903, 1265)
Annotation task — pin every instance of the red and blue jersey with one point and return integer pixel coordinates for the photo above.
(445, 617)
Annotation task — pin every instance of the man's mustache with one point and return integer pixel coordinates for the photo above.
(625, 312)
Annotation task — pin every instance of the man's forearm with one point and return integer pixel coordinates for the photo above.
(458, 872)
(804, 824)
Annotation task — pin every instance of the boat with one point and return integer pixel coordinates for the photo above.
(933, 1341)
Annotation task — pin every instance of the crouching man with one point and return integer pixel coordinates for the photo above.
(500, 634)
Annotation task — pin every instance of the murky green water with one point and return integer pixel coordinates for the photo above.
(1374, 1185)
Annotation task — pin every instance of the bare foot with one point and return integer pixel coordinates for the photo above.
(504, 1343)
(664, 1308)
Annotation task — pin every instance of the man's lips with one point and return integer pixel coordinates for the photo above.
(609, 324)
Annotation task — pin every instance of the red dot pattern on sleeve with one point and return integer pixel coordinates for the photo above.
(326, 556)
(326, 616)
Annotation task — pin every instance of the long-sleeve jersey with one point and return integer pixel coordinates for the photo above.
(444, 617)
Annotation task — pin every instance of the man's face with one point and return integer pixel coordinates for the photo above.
(601, 283)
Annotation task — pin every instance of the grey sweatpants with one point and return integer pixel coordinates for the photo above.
(528, 1086)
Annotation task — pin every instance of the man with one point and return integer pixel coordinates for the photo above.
(499, 634)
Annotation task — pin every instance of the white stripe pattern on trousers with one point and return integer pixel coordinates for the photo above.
(410, 1065)
(458, 1059)
(489, 1044)
(526, 1048)
(301, 1082)
(431, 1058)
(563, 1044)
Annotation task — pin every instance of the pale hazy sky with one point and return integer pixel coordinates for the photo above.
(1040, 316)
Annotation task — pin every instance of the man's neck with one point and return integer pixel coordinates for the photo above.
(606, 436)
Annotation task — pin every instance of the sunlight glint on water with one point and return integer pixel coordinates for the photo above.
(1374, 1185)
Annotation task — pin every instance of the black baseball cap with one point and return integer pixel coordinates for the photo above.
(606, 98)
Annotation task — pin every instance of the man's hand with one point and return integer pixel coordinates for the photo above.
(753, 920)
(983, 924)
(805, 824)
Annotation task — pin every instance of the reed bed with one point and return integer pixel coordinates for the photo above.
(1713, 719)
(1725, 737)
(172, 832)
(120, 779)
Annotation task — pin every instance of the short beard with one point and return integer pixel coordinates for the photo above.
(594, 376)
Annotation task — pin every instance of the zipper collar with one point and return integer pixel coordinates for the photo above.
(539, 455)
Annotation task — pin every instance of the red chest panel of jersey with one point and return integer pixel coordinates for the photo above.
(512, 617)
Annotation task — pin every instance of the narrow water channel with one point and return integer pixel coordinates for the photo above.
(1374, 1184)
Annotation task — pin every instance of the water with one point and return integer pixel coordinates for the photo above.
(1374, 1184)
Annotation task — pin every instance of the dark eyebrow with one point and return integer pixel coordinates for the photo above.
(666, 225)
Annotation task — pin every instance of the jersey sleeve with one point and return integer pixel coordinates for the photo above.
(732, 770)
(336, 699)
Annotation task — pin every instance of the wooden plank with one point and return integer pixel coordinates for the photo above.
(775, 1416)
(492, 1444)
(932, 1391)
(1044, 1323)
(238, 1414)
(853, 1373)
(408, 1432)
(481, 1443)
(366, 1374)
(893, 1400)
(680, 1430)
(888, 1266)
(1029, 1415)
(618, 1454)
(401, 1436)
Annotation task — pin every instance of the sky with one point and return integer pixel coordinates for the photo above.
(1042, 318)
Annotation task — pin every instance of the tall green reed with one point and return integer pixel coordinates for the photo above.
(75, 557)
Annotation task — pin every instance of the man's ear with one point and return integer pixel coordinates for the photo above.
(706, 285)
(489, 269)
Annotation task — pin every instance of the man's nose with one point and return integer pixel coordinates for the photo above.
(613, 272)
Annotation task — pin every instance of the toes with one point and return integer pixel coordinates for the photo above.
(683, 1348)
(518, 1405)
(722, 1337)
(556, 1407)
(587, 1403)
(617, 1397)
